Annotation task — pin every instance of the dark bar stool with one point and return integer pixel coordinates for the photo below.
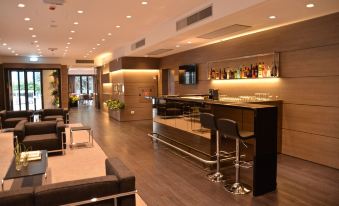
(207, 120)
(229, 128)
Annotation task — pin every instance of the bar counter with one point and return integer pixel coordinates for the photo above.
(260, 118)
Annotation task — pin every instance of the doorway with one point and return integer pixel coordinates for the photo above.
(25, 92)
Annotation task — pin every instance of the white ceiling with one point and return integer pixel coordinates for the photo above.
(154, 21)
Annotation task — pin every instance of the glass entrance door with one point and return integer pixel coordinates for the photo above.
(26, 91)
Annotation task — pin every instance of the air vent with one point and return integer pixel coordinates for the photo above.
(55, 2)
(159, 51)
(138, 44)
(84, 61)
(224, 31)
(52, 49)
(196, 17)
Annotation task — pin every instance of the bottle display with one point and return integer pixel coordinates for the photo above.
(256, 69)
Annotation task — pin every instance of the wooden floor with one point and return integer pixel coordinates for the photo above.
(165, 178)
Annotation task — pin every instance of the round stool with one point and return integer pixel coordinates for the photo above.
(229, 128)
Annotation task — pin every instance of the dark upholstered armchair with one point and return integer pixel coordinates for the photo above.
(54, 114)
(47, 135)
(9, 119)
(170, 109)
(119, 183)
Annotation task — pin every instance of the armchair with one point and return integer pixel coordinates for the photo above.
(9, 119)
(48, 135)
(54, 114)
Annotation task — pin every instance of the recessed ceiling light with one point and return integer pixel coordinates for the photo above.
(93, 48)
(9, 48)
(31, 28)
(80, 11)
(33, 35)
(13, 51)
(39, 49)
(68, 43)
(144, 2)
(103, 39)
(309, 5)
(16, 54)
(21, 5)
(128, 17)
(66, 50)
(72, 31)
(37, 45)
(70, 38)
(272, 17)
(98, 44)
(117, 26)
(66, 47)
(189, 42)
(76, 23)
(4, 44)
(90, 51)
(36, 41)
(40, 55)
(27, 19)
(177, 46)
(109, 34)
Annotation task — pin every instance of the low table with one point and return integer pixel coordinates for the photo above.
(35, 167)
(82, 128)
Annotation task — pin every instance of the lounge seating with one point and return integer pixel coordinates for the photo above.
(46, 135)
(54, 114)
(170, 109)
(119, 180)
(9, 119)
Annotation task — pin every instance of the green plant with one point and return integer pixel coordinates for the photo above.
(73, 99)
(55, 92)
(56, 101)
(114, 104)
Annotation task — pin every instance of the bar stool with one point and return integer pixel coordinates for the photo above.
(230, 129)
(207, 120)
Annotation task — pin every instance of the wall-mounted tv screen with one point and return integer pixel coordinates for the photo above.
(188, 74)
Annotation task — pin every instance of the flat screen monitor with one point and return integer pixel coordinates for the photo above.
(188, 74)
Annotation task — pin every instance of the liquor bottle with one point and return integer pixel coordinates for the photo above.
(213, 74)
(268, 71)
(209, 73)
(259, 70)
(250, 72)
(224, 74)
(238, 73)
(228, 73)
(274, 72)
(217, 74)
(264, 70)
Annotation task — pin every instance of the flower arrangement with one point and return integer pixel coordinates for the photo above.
(114, 104)
(73, 99)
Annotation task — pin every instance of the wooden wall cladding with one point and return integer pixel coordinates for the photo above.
(2, 89)
(105, 78)
(134, 63)
(64, 86)
(31, 66)
(309, 59)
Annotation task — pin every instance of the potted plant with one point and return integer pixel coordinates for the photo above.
(114, 106)
(73, 101)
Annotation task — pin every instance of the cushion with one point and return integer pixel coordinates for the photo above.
(40, 137)
(13, 114)
(49, 112)
(22, 197)
(53, 117)
(42, 142)
(77, 190)
(40, 127)
(15, 119)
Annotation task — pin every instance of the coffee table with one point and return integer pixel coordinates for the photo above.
(36, 167)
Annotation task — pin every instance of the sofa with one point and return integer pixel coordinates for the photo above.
(54, 114)
(119, 180)
(9, 119)
(47, 135)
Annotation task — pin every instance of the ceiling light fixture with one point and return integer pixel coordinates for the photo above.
(40, 55)
(9, 48)
(80, 12)
(272, 17)
(36, 41)
(310, 5)
(16, 54)
(103, 39)
(93, 48)
(70, 38)
(72, 31)
(31, 28)
(37, 45)
(109, 34)
(98, 44)
(68, 43)
(21, 5)
(4, 44)
(76, 23)
(13, 51)
(128, 17)
(189, 42)
(27, 19)
(33, 35)
(90, 51)
(66, 47)
(144, 2)
(117, 26)
(177, 46)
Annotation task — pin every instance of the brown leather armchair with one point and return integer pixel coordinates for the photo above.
(9, 119)
(47, 135)
(54, 114)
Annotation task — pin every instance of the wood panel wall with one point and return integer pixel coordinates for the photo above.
(308, 83)
(64, 86)
(2, 89)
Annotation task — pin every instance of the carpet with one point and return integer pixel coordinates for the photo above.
(78, 163)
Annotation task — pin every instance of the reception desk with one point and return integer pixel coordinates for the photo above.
(260, 118)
